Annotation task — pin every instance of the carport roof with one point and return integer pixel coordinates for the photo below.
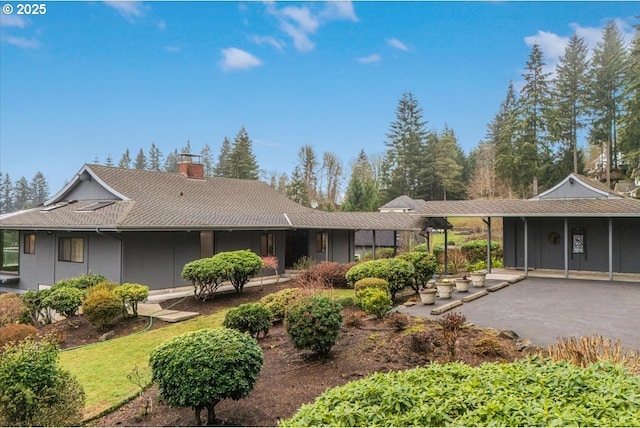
(622, 207)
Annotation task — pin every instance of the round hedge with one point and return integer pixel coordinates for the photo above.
(313, 323)
(531, 392)
(399, 273)
(374, 301)
(365, 283)
(200, 368)
(278, 302)
(252, 318)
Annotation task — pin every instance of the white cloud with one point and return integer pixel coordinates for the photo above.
(301, 22)
(161, 25)
(172, 49)
(237, 59)
(22, 42)
(371, 59)
(551, 44)
(268, 40)
(337, 10)
(395, 43)
(130, 10)
(12, 21)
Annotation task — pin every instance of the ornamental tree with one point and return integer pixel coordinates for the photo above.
(131, 294)
(200, 368)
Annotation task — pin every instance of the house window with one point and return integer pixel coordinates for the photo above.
(29, 246)
(71, 250)
(267, 244)
(321, 242)
(9, 256)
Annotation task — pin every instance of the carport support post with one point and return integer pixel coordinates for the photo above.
(526, 247)
(566, 248)
(610, 249)
(446, 247)
(373, 253)
(488, 223)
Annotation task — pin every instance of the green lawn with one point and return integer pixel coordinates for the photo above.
(102, 368)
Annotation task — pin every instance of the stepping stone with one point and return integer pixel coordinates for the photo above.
(474, 296)
(175, 316)
(444, 308)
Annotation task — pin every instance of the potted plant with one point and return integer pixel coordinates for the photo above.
(445, 288)
(427, 295)
(462, 284)
(478, 277)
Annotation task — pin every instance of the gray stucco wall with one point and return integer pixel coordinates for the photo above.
(543, 254)
(340, 246)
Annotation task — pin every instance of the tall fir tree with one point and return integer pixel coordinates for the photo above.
(297, 188)
(6, 194)
(362, 192)
(171, 162)
(569, 102)
(22, 194)
(243, 160)
(606, 88)
(448, 166)
(207, 160)
(406, 141)
(109, 160)
(39, 188)
(141, 160)
(155, 158)
(223, 165)
(629, 141)
(503, 132)
(125, 160)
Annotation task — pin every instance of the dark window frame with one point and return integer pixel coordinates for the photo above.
(267, 244)
(67, 251)
(321, 242)
(29, 243)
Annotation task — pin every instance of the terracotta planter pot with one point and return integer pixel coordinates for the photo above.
(428, 297)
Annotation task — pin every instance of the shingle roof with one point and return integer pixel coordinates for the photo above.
(148, 200)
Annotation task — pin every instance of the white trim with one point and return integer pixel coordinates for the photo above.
(55, 198)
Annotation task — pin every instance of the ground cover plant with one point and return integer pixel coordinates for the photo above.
(531, 392)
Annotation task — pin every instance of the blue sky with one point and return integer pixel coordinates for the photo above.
(89, 79)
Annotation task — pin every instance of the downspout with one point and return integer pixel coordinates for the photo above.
(374, 244)
(488, 223)
(99, 232)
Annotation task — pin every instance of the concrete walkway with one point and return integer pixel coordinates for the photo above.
(153, 308)
(543, 309)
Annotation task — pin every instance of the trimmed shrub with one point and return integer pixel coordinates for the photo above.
(365, 283)
(38, 312)
(14, 333)
(198, 369)
(81, 282)
(65, 300)
(12, 309)
(277, 303)
(530, 392)
(241, 265)
(34, 390)
(252, 318)
(131, 294)
(101, 307)
(373, 301)
(384, 253)
(313, 323)
(476, 250)
(329, 274)
(207, 276)
(425, 266)
(399, 273)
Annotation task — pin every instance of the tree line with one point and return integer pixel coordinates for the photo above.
(531, 143)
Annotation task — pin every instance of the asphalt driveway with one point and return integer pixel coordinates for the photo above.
(543, 309)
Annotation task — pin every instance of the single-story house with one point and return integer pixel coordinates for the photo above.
(144, 226)
(577, 225)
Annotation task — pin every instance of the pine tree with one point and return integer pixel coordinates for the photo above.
(406, 141)
(297, 188)
(141, 161)
(207, 160)
(39, 189)
(6, 194)
(629, 141)
(22, 194)
(570, 101)
(186, 149)
(503, 133)
(243, 161)
(362, 193)
(171, 162)
(109, 160)
(448, 166)
(223, 166)
(607, 78)
(125, 160)
(155, 158)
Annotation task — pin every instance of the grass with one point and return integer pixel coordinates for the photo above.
(102, 368)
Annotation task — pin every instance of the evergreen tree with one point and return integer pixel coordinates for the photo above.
(141, 160)
(109, 160)
(6, 194)
(186, 149)
(629, 141)
(570, 101)
(223, 166)
(171, 162)
(282, 184)
(362, 193)
(243, 160)
(533, 153)
(125, 160)
(405, 143)
(207, 160)
(155, 158)
(96, 160)
(39, 189)
(448, 166)
(607, 78)
(503, 133)
(297, 188)
(22, 194)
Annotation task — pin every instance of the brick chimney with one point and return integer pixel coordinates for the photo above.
(190, 165)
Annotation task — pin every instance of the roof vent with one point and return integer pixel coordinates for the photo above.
(190, 165)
